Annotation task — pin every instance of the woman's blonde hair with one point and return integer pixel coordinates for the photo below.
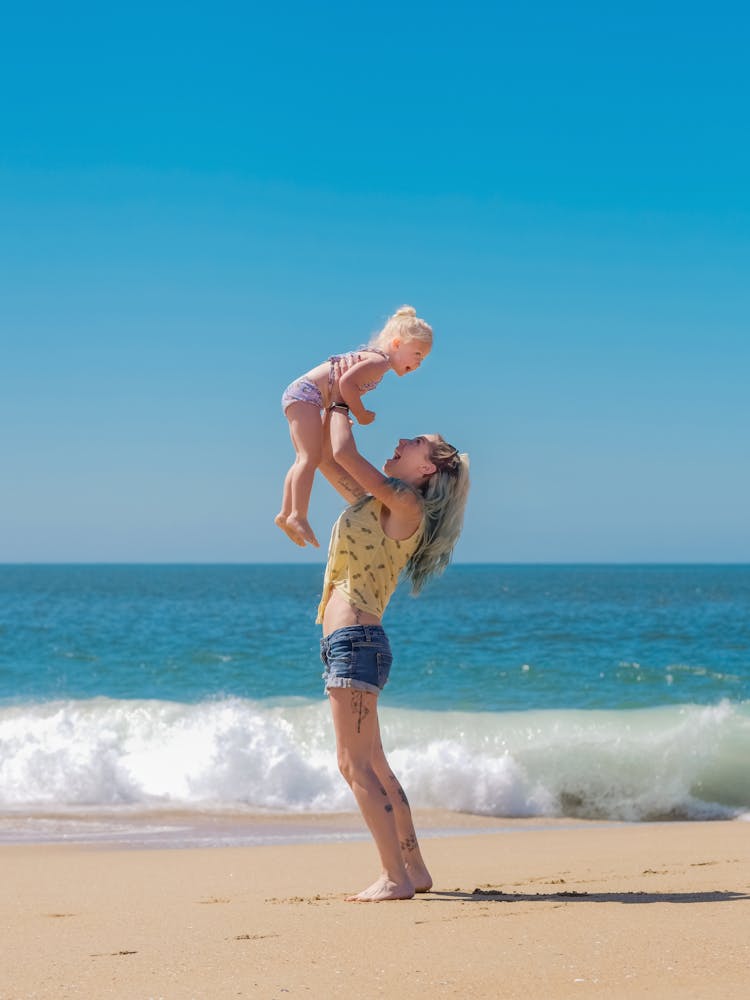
(444, 496)
(404, 323)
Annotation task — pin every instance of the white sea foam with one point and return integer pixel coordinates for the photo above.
(681, 761)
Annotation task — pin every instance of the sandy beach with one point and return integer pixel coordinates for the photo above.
(530, 909)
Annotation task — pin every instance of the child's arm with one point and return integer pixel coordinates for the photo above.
(370, 370)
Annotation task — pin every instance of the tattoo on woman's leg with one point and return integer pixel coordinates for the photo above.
(410, 843)
(359, 708)
(401, 793)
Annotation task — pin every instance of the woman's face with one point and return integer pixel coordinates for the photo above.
(411, 460)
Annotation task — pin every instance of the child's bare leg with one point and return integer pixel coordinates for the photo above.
(307, 436)
(282, 517)
(410, 852)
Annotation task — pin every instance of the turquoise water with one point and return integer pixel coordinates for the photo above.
(480, 638)
(608, 691)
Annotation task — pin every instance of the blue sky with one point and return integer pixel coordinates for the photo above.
(199, 202)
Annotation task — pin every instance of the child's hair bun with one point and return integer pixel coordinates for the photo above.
(404, 323)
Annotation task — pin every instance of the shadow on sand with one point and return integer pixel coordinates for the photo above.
(571, 896)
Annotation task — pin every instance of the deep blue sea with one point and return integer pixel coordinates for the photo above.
(616, 692)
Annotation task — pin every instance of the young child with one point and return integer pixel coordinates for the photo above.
(402, 345)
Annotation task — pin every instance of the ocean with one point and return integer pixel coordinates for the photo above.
(616, 693)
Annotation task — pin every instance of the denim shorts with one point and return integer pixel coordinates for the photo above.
(358, 656)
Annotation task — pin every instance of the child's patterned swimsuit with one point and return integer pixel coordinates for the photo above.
(302, 390)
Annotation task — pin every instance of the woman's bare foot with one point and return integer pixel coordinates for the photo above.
(383, 889)
(420, 877)
(301, 527)
(282, 521)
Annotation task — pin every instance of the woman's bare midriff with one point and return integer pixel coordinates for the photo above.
(339, 613)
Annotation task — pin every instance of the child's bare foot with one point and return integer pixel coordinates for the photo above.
(420, 877)
(301, 527)
(382, 890)
(283, 522)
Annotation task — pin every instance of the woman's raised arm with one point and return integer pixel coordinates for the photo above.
(336, 474)
(406, 505)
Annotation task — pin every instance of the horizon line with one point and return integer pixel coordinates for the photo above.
(238, 563)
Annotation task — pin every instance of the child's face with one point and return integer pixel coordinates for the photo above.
(407, 355)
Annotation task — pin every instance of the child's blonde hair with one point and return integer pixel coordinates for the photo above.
(404, 323)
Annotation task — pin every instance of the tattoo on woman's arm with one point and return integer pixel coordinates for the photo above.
(350, 485)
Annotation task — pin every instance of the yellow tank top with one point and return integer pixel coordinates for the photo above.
(363, 563)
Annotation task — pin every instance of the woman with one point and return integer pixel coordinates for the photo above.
(407, 519)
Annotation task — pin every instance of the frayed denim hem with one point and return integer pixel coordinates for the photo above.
(347, 682)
